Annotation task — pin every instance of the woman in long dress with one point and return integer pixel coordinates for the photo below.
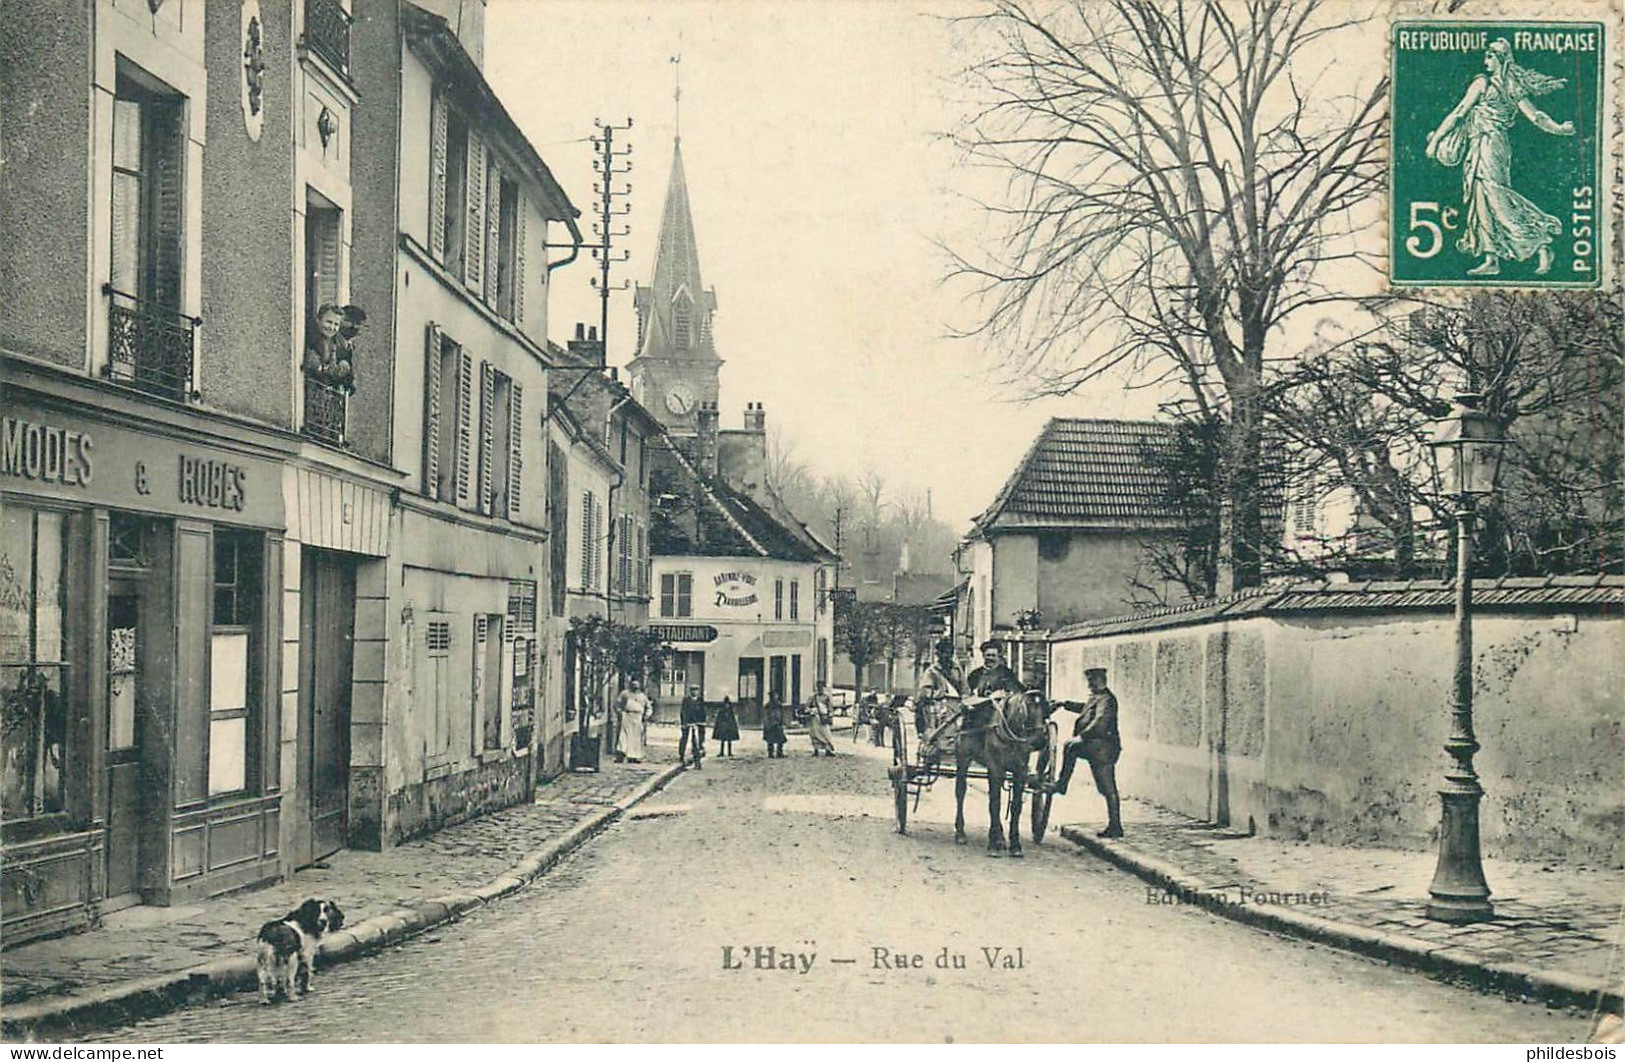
(1500, 222)
(636, 711)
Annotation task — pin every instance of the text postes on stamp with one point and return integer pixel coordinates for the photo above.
(1496, 157)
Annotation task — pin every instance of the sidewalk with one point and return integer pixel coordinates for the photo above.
(147, 959)
(1556, 935)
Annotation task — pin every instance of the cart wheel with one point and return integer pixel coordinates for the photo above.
(1042, 797)
(900, 802)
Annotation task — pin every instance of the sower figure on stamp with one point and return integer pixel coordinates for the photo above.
(1095, 738)
(1476, 135)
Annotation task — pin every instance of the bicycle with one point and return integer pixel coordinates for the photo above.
(692, 732)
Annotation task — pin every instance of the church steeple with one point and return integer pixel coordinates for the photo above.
(674, 311)
(674, 373)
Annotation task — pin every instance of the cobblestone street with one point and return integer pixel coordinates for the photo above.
(651, 933)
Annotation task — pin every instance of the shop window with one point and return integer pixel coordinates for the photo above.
(233, 639)
(34, 723)
(677, 594)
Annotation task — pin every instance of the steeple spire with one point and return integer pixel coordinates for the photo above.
(674, 311)
(677, 95)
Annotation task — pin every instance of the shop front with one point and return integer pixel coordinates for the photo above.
(140, 656)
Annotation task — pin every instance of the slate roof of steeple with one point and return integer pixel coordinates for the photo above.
(676, 276)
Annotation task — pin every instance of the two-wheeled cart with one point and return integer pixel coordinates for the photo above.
(911, 773)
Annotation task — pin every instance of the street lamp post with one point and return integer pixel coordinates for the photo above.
(1467, 449)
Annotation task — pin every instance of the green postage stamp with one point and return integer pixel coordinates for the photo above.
(1496, 159)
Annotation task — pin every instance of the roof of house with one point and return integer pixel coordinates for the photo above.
(693, 515)
(1086, 473)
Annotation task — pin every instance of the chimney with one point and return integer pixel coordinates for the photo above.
(755, 417)
(586, 346)
(705, 444)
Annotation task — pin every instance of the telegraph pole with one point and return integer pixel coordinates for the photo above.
(610, 165)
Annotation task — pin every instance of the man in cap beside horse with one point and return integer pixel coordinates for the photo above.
(1095, 738)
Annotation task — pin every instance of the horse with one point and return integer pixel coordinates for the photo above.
(1001, 733)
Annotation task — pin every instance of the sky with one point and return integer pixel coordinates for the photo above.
(822, 190)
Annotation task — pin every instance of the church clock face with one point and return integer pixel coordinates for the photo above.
(680, 399)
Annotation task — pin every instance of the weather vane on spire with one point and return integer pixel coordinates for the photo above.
(677, 91)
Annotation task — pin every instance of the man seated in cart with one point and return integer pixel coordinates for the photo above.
(942, 681)
(994, 677)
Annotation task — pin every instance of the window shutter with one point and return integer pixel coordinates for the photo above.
(516, 449)
(519, 263)
(437, 177)
(431, 413)
(487, 455)
(465, 424)
(493, 234)
(168, 203)
(327, 260)
(586, 540)
(474, 255)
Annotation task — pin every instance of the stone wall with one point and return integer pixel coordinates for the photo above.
(1327, 724)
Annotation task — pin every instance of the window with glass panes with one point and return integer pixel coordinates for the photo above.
(33, 707)
(233, 637)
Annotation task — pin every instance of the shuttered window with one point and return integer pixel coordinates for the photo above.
(439, 134)
(451, 195)
(517, 283)
(589, 545)
(465, 428)
(487, 438)
(516, 451)
(323, 251)
(148, 206)
(558, 525)
(446, 409)
(474, 228)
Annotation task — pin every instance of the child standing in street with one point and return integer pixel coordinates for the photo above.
(773, 727)
(726, 728)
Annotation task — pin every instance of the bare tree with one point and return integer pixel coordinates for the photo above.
(1178, 175)
(1548, 366)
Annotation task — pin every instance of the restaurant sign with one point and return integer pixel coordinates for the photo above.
(683, 632)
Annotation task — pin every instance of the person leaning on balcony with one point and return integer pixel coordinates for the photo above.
(1095, 738)
(330, 353)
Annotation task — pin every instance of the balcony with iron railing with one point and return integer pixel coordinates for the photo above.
(326, 409)
(327, 32)
(149, 347)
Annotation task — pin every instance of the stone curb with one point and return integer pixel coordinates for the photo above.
(109, 1006)
(1458, 964)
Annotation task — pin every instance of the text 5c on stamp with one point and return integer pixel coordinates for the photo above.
(1496, 160)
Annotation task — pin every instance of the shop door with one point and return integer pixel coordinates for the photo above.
(128, 691)
(326, 653)
(750, 679)
(775, 679)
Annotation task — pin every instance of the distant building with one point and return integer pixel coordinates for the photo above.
(1064, 539)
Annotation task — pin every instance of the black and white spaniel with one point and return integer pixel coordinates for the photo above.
(288, 947)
